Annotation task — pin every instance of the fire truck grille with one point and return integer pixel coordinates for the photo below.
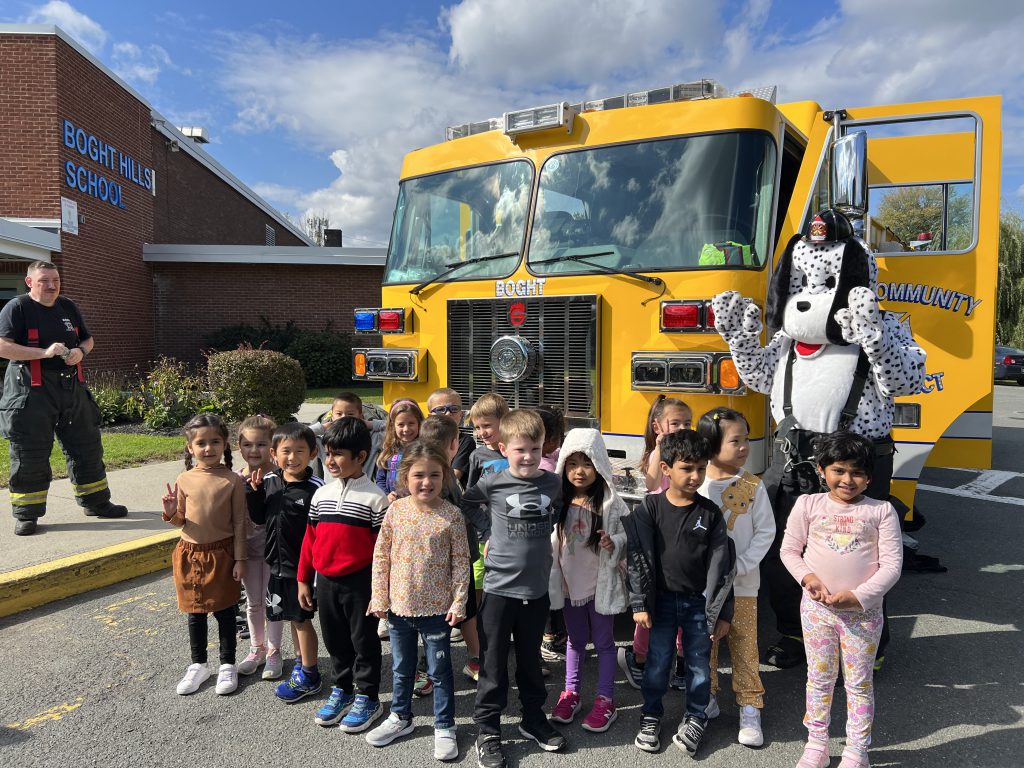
(563, 330)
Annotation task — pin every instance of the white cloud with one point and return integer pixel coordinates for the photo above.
(578, 41)
(137, 65)
(366, 103)
(88, 32)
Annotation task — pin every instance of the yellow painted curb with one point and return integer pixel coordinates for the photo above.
(68, 576)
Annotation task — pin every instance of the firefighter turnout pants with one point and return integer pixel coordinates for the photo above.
(30, 416)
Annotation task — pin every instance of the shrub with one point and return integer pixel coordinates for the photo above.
(247, 381)
(264, 335)
(111, 391)
(325, 357)
(171, 394)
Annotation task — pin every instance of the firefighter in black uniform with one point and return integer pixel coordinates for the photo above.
(45, 338)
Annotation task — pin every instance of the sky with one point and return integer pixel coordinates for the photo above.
(313, 104)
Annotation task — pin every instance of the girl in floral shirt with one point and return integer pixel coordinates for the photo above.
(420, 580)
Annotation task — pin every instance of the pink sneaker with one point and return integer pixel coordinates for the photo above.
(815, 755)
(568, 705)
(600, 718)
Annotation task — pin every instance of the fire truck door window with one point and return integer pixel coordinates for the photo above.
(924, 217)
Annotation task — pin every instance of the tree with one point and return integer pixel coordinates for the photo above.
(1010, 306)
(315, 224)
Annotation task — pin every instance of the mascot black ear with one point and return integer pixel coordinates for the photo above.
(853, 273)
(778, 288)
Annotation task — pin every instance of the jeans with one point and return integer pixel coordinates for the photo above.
(672, 611)
(436, 636)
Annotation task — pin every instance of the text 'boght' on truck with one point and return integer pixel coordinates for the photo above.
(566, 256)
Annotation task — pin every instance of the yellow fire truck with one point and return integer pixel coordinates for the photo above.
(566, 255)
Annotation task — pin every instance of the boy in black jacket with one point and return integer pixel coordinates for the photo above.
(678, 552)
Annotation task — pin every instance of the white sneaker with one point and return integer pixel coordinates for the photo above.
(712, 710)
(456, 636)
(252, 661)
(227, 679)
(195, 675)
(274, 667)
(383, 629)
(446, 746)
(389, 730)
(750, 727)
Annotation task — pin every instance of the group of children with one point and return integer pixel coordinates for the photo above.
(506, 540)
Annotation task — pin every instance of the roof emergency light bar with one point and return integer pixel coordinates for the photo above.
(557, 115)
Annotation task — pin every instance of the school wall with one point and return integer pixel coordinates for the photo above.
(101, 267)
(195, 299)
(195, 207)
(43, 81)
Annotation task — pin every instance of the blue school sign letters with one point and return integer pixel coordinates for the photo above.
(107, 157)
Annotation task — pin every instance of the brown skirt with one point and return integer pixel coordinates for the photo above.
(202, 576)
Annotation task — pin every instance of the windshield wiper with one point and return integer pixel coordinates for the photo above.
(582, 259)
(457, 265)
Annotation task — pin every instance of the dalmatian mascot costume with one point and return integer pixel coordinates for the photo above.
(836, 362)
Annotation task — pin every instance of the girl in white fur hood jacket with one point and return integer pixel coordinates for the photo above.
(587, 581)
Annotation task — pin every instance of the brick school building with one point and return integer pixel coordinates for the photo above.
(155, 240)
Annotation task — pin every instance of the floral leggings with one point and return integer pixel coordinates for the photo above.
(829, 635)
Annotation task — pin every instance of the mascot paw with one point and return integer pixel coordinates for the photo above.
(735, 316)
(861, 323)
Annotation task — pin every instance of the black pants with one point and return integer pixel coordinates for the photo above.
(523, 620)
(198, 638)
(30, 417)
(349, 634)
(784, 488)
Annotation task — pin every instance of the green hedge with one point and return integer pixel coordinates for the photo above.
(248, 381)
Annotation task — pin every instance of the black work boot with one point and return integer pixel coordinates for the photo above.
(106, 509)
(25, 527)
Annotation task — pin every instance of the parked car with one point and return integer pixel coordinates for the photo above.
(1009, 364)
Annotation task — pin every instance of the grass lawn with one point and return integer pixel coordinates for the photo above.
(119, 451)
(371, 393)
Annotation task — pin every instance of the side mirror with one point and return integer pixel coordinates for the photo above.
(848, 182)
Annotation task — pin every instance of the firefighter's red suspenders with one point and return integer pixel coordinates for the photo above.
(35, 367)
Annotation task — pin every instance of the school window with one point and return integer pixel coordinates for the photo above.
(10, 287)
(271, 235)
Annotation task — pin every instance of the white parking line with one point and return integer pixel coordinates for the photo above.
(964, 494)
(988, 481)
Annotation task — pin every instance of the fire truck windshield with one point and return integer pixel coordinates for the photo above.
(671, 204)
(459, 216)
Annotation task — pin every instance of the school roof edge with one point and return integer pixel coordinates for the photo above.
(262, 254)
(163, 126)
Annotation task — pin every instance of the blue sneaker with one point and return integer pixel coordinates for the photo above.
(363, 713)
(301, 685)
(335, 707)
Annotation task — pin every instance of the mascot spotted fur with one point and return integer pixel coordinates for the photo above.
(836, 362)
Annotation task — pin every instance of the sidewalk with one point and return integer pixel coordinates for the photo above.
(71, 553)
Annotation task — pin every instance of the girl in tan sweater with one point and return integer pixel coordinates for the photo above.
(208, 503)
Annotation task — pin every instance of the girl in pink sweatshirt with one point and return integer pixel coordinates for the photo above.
(846, 551)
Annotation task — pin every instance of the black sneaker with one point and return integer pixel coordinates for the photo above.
(690, 734)
(634, 672)
(106, 509)
(787, 652)
(678, 680)
(488, 751)
(541, 731)
(552, 648)
(647, 737)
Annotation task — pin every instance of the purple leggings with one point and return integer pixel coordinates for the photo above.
(584, 624)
